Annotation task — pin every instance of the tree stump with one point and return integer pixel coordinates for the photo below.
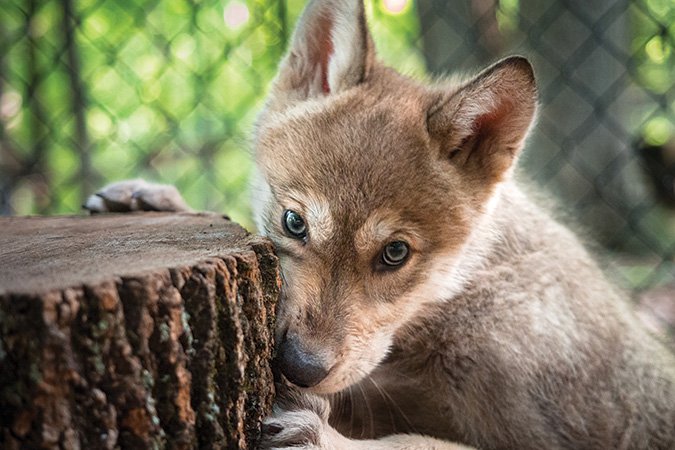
(136, 331)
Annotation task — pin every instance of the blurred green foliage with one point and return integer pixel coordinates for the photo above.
(172, 87)
(653, 47)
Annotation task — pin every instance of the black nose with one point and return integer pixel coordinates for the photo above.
(299, 366)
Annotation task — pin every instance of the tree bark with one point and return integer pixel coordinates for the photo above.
(134, 331)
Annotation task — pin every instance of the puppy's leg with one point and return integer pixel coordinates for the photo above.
(300, 421)
(407, 442)
(136, 195)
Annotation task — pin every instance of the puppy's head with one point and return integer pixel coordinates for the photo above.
(370, 185)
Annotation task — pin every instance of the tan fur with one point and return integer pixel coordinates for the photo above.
(499, 331)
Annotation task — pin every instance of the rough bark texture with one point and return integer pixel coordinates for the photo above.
(135, 331)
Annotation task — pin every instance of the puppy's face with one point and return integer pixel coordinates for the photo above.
(370, 185)
(359, 209)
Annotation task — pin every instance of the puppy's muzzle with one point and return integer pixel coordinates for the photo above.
(299, 365)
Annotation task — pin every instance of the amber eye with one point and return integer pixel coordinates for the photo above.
(395, 253)
(294, 225)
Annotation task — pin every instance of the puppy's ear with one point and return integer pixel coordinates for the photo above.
(331, 50)
(482, 126)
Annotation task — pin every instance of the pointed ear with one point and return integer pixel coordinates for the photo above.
(331, 50)
(482, 126)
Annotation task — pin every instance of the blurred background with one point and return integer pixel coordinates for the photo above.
(100, 90)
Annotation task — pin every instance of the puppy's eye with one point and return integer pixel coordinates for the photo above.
(294, 224)
(395, 253)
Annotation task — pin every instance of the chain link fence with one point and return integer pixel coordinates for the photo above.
(99, 90)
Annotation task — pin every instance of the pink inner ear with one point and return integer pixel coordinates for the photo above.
(489, 122)
(324, 30)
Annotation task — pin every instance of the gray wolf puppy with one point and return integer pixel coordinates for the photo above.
(427, 300)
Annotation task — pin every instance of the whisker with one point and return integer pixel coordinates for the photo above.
(411, 428)
(351, 415)
(336, 403)
(370, 413)
(385, 399)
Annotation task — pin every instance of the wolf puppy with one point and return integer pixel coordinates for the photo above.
(427, 301)
(421, 283)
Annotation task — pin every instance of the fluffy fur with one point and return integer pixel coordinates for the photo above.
(499, 331)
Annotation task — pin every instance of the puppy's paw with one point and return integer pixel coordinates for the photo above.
(297, 429)
(300, 421)
(136, 195)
